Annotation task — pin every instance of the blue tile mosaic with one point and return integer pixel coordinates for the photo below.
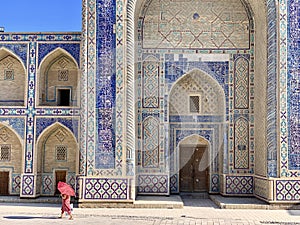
(19, 49)
(72, 48)
(293, 85)
(43, 123)
(106, 84)
(18, 124)
(272, 89)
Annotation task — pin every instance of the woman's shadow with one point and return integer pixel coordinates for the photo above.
(29, 217)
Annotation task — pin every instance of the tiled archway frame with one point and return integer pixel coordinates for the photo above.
(271, 89)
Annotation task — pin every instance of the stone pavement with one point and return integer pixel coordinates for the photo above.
(195, 211)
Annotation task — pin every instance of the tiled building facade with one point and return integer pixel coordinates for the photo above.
(155, 97)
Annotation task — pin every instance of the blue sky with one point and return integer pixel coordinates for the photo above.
(40, 15)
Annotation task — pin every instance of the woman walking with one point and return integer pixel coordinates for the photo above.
(66, 206)
(66, 192)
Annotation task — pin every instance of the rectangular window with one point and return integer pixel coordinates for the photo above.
(5, 152)
(8, 74)
(195, 104)
(61, 152)
(63, 75)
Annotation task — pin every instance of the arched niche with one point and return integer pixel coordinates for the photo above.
(11, 160)
(58, 80)
(194, 164)
(57, 158)
(197, 93)
(12, 79)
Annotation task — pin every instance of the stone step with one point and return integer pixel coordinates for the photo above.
(194, 195)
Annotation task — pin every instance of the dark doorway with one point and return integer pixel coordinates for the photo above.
(192, 177)
(63, 97)
(4, 182)
(60, 175)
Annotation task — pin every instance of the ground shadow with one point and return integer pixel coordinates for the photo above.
(30, 217)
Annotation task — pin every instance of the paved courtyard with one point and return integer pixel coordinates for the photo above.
(194, 212)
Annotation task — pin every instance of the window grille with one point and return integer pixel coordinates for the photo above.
(5, 152)
(61, 153)
(8, 75)
(63, 75)
(194, 104)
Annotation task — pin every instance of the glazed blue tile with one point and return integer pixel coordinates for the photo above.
(18, 124)
(293, 85)
(19, 49)
(43, 123)
(72, 48)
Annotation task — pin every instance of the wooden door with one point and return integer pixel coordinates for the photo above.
(192, 177)
(60, 175)
(4, 182)
(200, 177)
(186, 169)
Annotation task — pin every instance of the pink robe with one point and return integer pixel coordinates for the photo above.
(66, 206)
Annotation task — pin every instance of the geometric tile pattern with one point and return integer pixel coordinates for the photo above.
(114, 189)
(202, 24)
(284, 148)
(239, 185)
(155, 184)
(120, 97)
(71, 180)
(150, 84)
(241, 82)
(215, 183)
(174, 183)
(287, 190)
(289, 89)
(241, 142)
(293, 85)
(16, 184)
(241, 115)
(211, 94)
(47, 184)
(87, 114)
(150, 139)
(101, 134)
(27, 185)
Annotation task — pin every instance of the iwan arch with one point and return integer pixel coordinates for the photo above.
(175, 96)
(176, 39)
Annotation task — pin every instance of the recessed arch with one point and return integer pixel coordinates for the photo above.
(53, 54)
(4, 52)
(197, 82)
(11, 158)
(193, 153)
(13, 79)
(58, 79)
(57, 150)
